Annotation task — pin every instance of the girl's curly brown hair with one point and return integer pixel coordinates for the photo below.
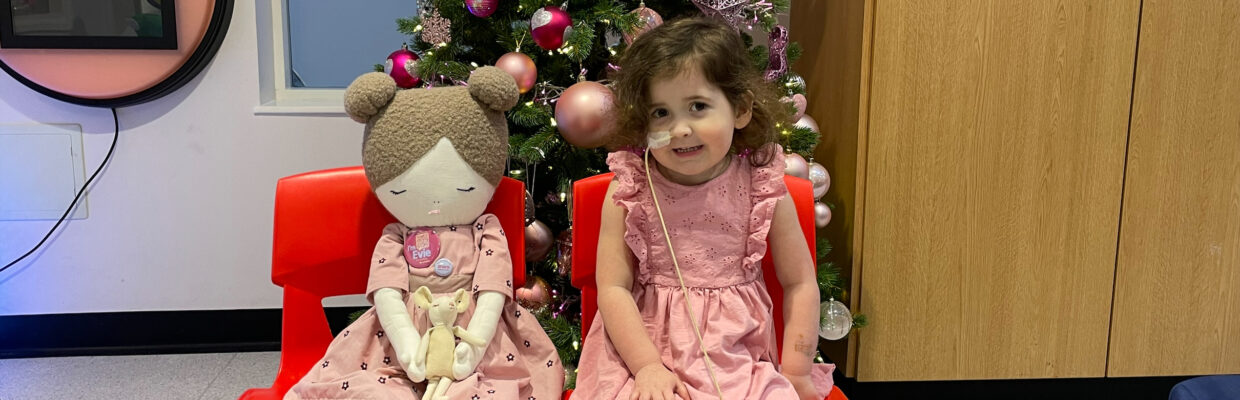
(718, 51)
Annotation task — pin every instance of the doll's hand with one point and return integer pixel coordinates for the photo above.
(804, 387)
(410, 359)
(467, 358)
(654, 381)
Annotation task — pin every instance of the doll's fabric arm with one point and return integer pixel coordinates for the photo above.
(386, 287)
(493, 280)
(474, 341)
(486, 316)
(396, 322)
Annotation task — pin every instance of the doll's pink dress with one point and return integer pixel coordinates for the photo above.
(520, 363)
(719, 231)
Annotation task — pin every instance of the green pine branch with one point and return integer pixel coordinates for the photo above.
(529, 6)
(823, 247)
(570, 377)
(408, 25)
(768, 21)
(793, 52)
(800, 140)
(564, 335)
(540, 146)
(616, 15)
(579, 44)
(514, 144)
(829, 282)
(759, 56)
(781, 6)
(353, 316)
(529, 115)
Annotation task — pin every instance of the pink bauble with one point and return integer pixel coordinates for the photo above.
(481, 8)
(549, 26)
(534, 294)
(819, 177)
(822, 215)
(795, 165)
(647, 19)
(807, 121)
(402, 65)
(799, 101)
(585, 115)
(538, 239)
(522, 69)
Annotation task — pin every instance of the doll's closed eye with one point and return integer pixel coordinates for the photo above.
(397, 193)
(471, 188)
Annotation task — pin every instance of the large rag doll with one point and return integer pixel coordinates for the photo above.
(434, 158)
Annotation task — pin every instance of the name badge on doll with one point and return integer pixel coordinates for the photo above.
(443, 267)
(421, 248)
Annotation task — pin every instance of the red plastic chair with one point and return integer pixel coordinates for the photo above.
(326, 226)
(588, 197)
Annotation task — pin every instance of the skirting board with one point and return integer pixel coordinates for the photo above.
(147, 332)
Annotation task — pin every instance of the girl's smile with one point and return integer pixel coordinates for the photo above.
(700, 122)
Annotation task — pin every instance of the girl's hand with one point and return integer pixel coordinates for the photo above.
(804, 387)
(655, 382)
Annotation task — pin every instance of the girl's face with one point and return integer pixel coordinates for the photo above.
(700, 120)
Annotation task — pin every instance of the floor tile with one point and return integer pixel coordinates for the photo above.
(246, 370)
(164, 376)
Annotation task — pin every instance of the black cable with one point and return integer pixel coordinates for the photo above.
(117, 129)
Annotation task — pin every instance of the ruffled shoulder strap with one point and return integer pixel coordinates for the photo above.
(766, 189)
(633, 194)
(630, 174)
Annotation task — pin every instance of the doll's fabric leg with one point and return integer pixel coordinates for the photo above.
(429, 394)
(441, 389)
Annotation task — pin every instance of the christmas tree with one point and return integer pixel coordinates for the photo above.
(563, 52)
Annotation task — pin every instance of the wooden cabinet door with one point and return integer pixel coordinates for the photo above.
(1177, 288)
(993, 184)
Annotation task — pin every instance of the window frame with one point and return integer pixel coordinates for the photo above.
(276, 95)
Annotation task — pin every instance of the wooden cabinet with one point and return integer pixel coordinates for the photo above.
(989, 180)
(1177, 284)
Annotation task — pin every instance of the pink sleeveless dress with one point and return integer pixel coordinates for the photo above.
(719, 231)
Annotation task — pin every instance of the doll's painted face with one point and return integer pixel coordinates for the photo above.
(438, 190)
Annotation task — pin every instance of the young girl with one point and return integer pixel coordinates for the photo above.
(687, 91)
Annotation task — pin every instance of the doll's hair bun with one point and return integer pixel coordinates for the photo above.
(494, 88)
(367, 95)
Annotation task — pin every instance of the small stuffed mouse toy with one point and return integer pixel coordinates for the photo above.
(436, 350)
(434, 158)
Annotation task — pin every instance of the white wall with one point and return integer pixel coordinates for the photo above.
(181, 218)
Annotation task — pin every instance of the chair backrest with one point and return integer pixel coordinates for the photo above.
(326, 226)
(588, 197)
